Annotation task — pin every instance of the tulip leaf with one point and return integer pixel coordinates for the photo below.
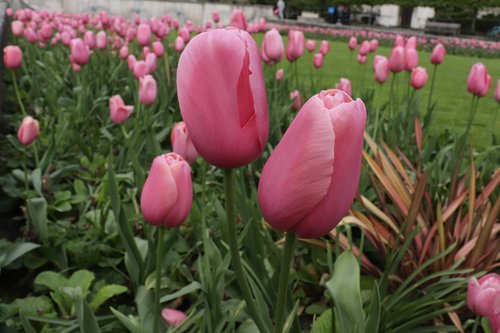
(105, 293)
(37, 212)
(36, 177)
(26, 323)
(130, 323)
(192, 287)
(373, 320)
(15, 251)
(86, 317)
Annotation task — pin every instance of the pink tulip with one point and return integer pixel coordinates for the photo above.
(76, 68)
(79, 52)
(364, 48)
(381, 68)
(17, 28)
(145, 51)
(411, 59)
(309, 181)
(272, 45)
(238, 19)
(141, 69)
(89, 39)
(173, 317)
(418, 78)
(185, 34)
(179, 44)
(279, 74)
(12, 56)
(167, 195)
(324, 48)
(227, 121)
(130, 35)
(158, 49)
(310, 45)
(182, 143)
(438, 54)
(297, 100)
(353, 42)
(143, 34)
(124, 52)
(28, 131)
(494, 316)
(411, 43)
(399, 41)
(361, 59)
(262, 24)
(31, 36)
(481, 293)
(175, 24)
(295, 47)
(318, 60)
(344, 85)
(101, 40)
(45, 31)
(479, 80)
(8, 11)
(496, 94)
(397, 59)
(373, 45)
(151, 62)
(118, 111)
(147, 90)
(131, 60)
(215, 16)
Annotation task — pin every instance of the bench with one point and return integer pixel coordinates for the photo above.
(442, 28)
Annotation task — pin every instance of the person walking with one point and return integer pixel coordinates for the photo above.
(281, 9)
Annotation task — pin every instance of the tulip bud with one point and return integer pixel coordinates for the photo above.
(147, 90)
(79, 52)
(411, 43)
(272, 45)
(479, 80)
(124, 52)
(279, 74)
(215, 16)
(118, 111)
(381, 68)
(28, 131)
(309, 181)
(101, 40)
(297, 100)
(397, 59)
(438, 54)
(151, 62)
(182, 143)
(143, 34)
(399, 41)
(12, 56)
(373, 45)
(324, 48)
(318, 60)
(238, 19)
(295, 47)
(158, 49)
(310, 45)
(481, 293)
(232, 129)
(353, 42)
(185, 35)
(179, 44)
(361, 59)
(364, 48)
(131, 60)
(173, 317)
(167, 194)
(418, 77)
(411, 59)
(344, 85)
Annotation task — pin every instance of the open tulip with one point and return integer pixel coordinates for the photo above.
(324, 48)
(310, 45)
(147, 90)
(482, 293)
(297, 100)
(28, 131)
(353, 42)
(479, 80)
(309, 181)
(344, 85)
(143, 34)
(418, 77)
(167, 194)
(182, 143)
(173, 317)
(238, 19)
(118, 111)
(318, 60)
(80, 54)
(438, 54)
(381, 68)
(12, 56)
(295, 47)
(227, 121)
(397, 59)
(272, 45)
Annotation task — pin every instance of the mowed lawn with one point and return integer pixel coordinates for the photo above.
(450, 91)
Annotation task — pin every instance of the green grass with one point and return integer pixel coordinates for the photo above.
(450, 91)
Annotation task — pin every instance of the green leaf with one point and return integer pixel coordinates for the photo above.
(86, 318)
(83, 279)
(346, 292)
(131, 324)
(324, 323)
(52, 280)
(37, 212)
(15, 251)
(106, 293)
(373, 321)
(26, 324)
(36, 177)
(34, 305)
(193, 286)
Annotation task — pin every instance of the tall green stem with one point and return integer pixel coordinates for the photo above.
(159, 252)
(428, 112)
(235, 255)
(494, 121)
(283, 282)
(18, 95)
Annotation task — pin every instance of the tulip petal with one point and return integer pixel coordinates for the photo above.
(182, 175)
(297, 175)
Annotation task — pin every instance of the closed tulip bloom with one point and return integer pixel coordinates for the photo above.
(131, 60)
(295, 47)
(438, 54)
(89, 39)
(17, 28)
(179, 44)
(167, 195)
(496, 94)
(31, 36)
(353, 42)
(80, 54)
(185, 35)
(76, 68)
(8, 12)
(380, 68)
(182, 143)
(101, 40)
(231, 129)
(411, 59)
(141, 68)
(143, 34)
(310, 45)
(272, 45)
(318, 60)
(279, 74)
(418, 77)
(411, 43)
(344, 85)
(151, 62)
(324, 48)
(309, 181)
(118, 111)
(399, 41)
(28, 131)
(173, 317)
(147, 90)
(45, 31)
(481, 293)
(361, 59)
(479, 80)
(297, 100)
(397, 59)
(494, 316)
(364, 48)
(124, 52)
(12, 56)
(238, 19)
(373, 45)
(158, 49)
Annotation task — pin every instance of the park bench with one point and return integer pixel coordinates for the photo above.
(442, 28)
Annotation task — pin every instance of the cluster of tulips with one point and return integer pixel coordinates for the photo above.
(311, 177)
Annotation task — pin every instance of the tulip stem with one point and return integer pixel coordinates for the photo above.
(283, 281)
(235, 255)
(37, 160)
(494, 121)
(427, 118)
(156, 304)
(18, 95)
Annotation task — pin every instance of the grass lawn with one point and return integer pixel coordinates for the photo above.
(450, 91)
